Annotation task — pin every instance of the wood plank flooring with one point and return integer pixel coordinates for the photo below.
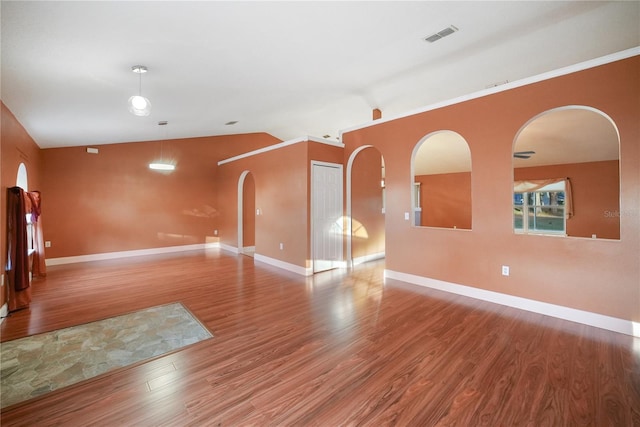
(338, 349)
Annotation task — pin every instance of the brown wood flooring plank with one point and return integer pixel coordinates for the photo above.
(342, 348)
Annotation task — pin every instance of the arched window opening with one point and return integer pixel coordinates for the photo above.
(566, 170)
(441, 191)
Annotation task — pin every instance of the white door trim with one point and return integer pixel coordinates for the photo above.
(338, 166)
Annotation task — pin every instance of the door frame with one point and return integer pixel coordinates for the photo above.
(340, 167)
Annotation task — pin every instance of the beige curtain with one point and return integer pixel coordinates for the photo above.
(536, 184)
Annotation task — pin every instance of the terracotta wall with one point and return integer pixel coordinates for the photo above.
(16, 146)
(112, 201)
(594, 275)
(446, 200)
(282, 187)
(366, 204)
(596, 195)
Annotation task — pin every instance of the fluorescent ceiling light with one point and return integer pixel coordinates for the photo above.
(162, 166)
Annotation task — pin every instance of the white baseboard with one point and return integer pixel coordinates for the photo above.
(4, 312)
(127, 254)
(284, 265)
(229, 248)
(614, 324)
(366, 258)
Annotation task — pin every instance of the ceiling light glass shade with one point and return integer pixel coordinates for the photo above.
(162, 166)
(139, 105)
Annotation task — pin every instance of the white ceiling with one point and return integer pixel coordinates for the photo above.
(287, 68)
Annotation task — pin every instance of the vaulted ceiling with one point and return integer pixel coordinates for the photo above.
(287, 68)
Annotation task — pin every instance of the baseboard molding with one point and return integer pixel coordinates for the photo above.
(372, 257)
(229, 248)
(601, 321)
(127, 254)
(284, 265)
(4, 312)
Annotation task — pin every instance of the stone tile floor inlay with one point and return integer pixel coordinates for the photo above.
(35, 365)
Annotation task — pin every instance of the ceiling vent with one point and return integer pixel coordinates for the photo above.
(440, 34)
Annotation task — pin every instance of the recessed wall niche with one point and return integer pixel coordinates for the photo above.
(566, 170)
(441, 192)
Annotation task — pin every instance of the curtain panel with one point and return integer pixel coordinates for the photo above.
(17, 268)
(537, 184)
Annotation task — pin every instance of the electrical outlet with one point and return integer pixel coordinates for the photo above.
(505, 270)
(215, 232)
(406, 216)
(47, 244)
(281, 246)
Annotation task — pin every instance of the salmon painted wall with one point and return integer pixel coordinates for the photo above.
(446, 200)
(366, 204)
(595, 275)
(281, 180)
(112, 201)
(16, 146)
(596, 195)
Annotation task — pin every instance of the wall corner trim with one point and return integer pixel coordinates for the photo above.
(4, 312)
(281, 145)
(127, 254)
(601, 321)
(284, 265)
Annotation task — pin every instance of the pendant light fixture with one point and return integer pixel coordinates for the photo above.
(138, 104)
(162, 165)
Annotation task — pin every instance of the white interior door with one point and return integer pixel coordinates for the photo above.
(326, 216)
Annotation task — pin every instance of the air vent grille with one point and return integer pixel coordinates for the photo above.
(440, 34)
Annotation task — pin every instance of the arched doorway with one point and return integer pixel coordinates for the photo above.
(365, 222)
(246, 214)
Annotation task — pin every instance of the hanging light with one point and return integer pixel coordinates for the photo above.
(162, 165)
(138, 104)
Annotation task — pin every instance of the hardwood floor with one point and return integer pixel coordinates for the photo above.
(338, 349)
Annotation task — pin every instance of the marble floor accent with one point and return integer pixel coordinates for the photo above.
(35, 365)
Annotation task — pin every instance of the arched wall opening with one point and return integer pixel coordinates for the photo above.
(441, 187)
(566, 171)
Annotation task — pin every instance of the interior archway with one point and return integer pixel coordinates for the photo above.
(365, 205)
(566, 170)
(22, 180)
(246, 214)
(441, 192)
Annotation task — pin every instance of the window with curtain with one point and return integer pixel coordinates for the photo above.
(542, 206)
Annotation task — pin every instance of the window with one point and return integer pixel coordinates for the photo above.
(545, 210)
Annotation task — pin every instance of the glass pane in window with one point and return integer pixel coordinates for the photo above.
(518, 199)
(531, 219)
(517, 218)
(547, 219)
